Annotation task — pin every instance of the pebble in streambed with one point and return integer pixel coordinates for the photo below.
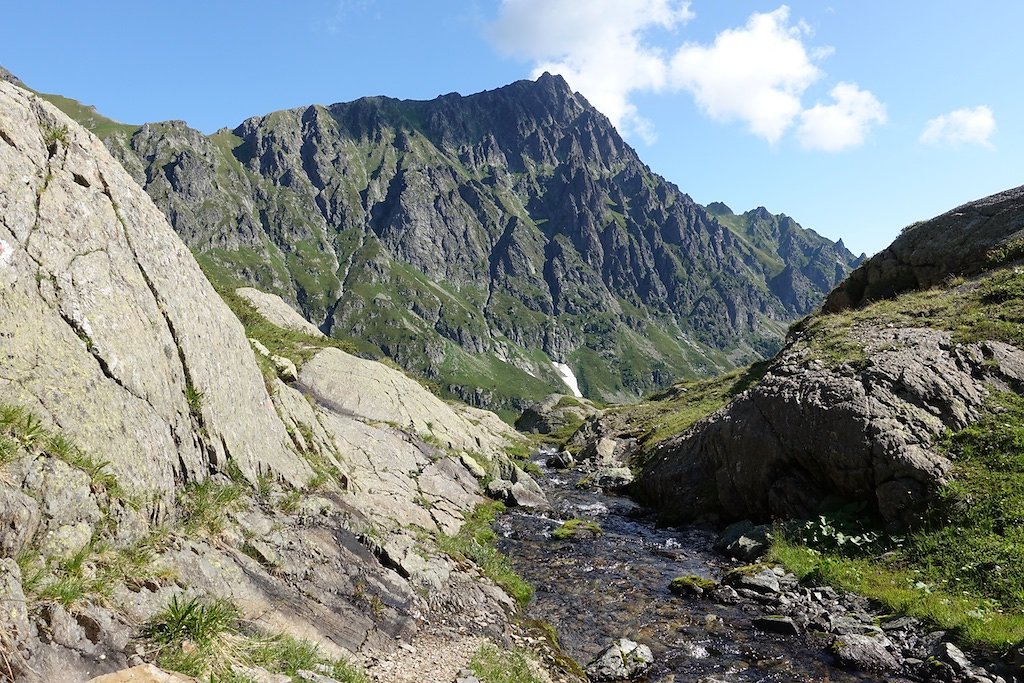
(597, 588)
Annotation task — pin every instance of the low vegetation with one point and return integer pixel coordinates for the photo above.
(493, 665)
(207, 637)
(962, 566)
(477, 541)
(990, 307)
(577, 528)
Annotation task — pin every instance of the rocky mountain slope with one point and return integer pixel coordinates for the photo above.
(474, 240)
(855, 404)
(164, 495)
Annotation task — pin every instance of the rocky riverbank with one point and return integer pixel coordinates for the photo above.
(709, 607)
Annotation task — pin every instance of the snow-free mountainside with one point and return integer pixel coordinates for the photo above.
(205, 475)
(475, 240)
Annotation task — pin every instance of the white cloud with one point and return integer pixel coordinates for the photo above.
(962, 126)
(755, 74)
(597, 46)
(845, 124)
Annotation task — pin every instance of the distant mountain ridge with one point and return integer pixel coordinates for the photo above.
(477, 239)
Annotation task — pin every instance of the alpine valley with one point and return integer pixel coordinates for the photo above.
(246, 428)
(476, 240)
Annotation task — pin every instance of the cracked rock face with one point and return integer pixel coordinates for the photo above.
(371, 392)
(106, 321)
(808, 431)
(961, 242)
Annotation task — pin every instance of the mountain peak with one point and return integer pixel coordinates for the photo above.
(719, 209)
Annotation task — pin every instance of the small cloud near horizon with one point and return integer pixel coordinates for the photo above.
(965, 126)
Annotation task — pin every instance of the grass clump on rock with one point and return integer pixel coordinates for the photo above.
(477, 541)
(692, 585)
(206, 637)
(577, 528)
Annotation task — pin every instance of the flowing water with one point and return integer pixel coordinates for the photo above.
(597, 590)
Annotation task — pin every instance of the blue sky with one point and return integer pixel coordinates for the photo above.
(855, 117)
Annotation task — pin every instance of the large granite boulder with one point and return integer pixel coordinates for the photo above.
(110, 330)
(962, 242)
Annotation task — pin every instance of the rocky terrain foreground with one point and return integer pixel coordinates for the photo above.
(158, 478)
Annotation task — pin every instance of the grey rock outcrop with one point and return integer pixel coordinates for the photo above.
(375, 393)
(962, 242)
(622, 660)
(808, 430)
(275, 310)
(145, 387)
(109, 325)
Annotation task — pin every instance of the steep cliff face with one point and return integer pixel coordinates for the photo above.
(146, 459)
(854, 406)
(110, 330)
(476, 239)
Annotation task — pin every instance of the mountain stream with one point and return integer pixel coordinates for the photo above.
(597, 590)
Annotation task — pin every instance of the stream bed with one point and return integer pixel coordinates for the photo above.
(597, 590)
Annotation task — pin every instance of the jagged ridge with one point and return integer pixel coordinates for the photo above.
(474, 239)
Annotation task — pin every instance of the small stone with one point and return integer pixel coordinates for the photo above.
(286, 369)
(869, 653)
(623, 659)
(763, 581)
(777, 624)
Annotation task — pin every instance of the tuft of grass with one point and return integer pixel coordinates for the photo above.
(197, 620)
(194, 399)
(21, 425)
(204, 505)
(206, 637)
(195, 636)
(477, 541)
(287, 655)
(577, 528)
(494, 665)
(55, 134)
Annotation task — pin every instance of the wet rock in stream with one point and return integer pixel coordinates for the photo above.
(727, 623)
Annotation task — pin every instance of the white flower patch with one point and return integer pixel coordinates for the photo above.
(6, 253)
